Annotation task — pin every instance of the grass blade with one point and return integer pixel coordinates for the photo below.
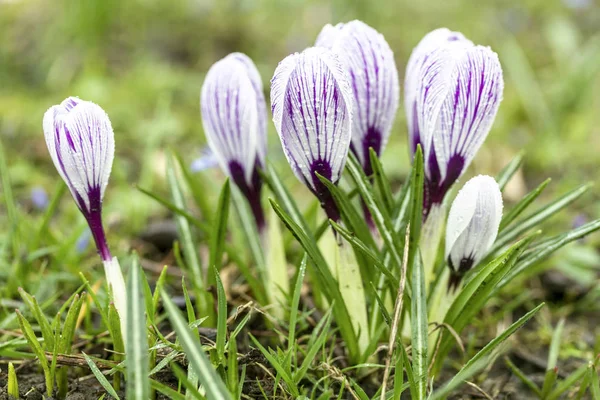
(221, 317)
(418, 321)
(214, 386)
(136, 345)
(220, 228)
(538, 216)
(342, 317)
(100, 377)
(509, 170)
(183, 227)
(522, 205)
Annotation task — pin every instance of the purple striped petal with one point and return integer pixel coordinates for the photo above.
(453, 91)
(234, 115)
(81, 143)
(434, 40)
(459, 96)
(311, 102)
(373, 80)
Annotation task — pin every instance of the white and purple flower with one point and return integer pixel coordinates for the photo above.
(373, 80)
(81, 143)
(453, 90)
(234, 117)
(473, 225)
(312, 107)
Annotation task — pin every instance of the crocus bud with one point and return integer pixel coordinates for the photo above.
(311, 101)
(453, 91)
(81, 143)
(234, 117)
(473, 225)
(373, 81)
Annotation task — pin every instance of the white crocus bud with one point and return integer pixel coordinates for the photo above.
(472, 225)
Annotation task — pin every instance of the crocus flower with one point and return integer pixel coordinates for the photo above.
(81, 143)
(453, 91)
(234, 117)
(373, 80)
(473, 225)
(311, 101)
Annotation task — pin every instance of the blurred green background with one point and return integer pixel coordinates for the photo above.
(144, 61)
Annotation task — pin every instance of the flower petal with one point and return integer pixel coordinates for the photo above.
(230, 115)
(473, 222)
(261, 107)
(373, 80)
(312, 111)
(474, 93)
(81, 143)
(432, 41)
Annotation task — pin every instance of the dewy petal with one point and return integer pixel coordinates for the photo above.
(311, 102)
(234, 114)
(469, 108)
(473, 223)
(81, 143)
(432, 41)
(373, 80)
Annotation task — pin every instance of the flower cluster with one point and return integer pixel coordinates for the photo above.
(339, 96)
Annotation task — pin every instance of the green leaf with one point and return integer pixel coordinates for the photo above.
(183, 227)
(354, 220)
(10, 204)
(70, 324)
(509, 170)
(522, 377)
(359, 246)
(221, 317)
(217, 238)
(484, 355)
(567, 383)
(254, 243)
(37, 350)
(136, 345)
(40, 318)
(475, 294)
(321, 330)
(176, 210)
(167, 391)
(100, 377)
(214, 386)
(538, 216)
(281, 370)
(416, 209)
(13, 383)
(295, 303)
(381, 181)
(283, 196)
(418, 322)
(594, 383)
(191, 390)
(380, 216)
(547, 248)
(332, 291)
(522, 205)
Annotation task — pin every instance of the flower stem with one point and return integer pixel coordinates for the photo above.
(116, 284)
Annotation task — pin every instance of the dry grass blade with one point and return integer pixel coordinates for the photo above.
(397, 313)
